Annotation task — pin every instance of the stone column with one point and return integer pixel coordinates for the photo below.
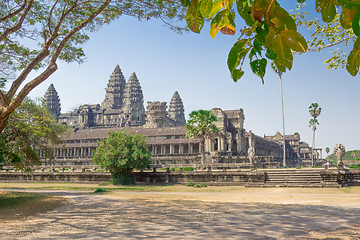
(191, 148)
(171, 149)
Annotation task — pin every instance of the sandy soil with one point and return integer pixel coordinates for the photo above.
(240, 214)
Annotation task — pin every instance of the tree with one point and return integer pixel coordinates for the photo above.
(120, 153)
(327, 149)
(314, 111)
(201, 125)
(279, 73)
(35, 34)
(268, 31)
(31, 131)
(326, 35)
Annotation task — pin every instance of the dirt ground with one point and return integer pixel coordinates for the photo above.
(236, 213)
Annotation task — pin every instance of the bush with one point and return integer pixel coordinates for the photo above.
(190, 183)
(203, 184)
(197, 186)
(298, 167)
(172, 169)
(100, 190)
(188, 169)
(354, 166)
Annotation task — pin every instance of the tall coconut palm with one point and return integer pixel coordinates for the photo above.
(201, 125)
(279, 73)
(314, 111)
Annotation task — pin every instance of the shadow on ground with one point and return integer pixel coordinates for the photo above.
(89, 216)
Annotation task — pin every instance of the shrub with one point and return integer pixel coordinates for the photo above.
(354, 166)
(177, 170)
(100, 190)
(188, 169)
(197, 186)
(203, 185)
(172, 169)
(298, 167)
(190, 183)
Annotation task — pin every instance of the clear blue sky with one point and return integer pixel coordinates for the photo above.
(195, 66)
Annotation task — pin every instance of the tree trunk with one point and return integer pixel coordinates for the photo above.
(283, 120)
(313, 146)
(202, 145)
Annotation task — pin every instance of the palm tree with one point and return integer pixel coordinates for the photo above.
(314, 111)
(276, 69)
(201, 125)
(327, 149)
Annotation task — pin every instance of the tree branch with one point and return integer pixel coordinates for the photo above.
(76, 29)
(19, 24)
(30, 86)
(12, 14)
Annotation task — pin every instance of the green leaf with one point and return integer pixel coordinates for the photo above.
(284, 57)
(236, 74)
(259, 67)
(301, 1)
(346, 17)
(294, 40)
(205, 8)
(185, 3)
(237, 53)
(356, 23)
(244, 9)
(270, 54)
(327, 9)
(353, 60)
(281, 20)
(193, 18)
(217, 5)
(216, 23)
(261, 31)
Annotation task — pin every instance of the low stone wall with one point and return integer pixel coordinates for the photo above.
(263, 178)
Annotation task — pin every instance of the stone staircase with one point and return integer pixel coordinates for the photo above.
(311, 178)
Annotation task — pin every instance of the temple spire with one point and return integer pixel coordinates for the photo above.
(115, 90)
(133, 107)
(176, 110)
(52, 101)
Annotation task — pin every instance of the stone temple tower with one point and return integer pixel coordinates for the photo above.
(133, 105)
(176, 110)
(115, 90)
(52, 101)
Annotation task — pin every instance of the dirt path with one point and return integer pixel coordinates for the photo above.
(89, 216)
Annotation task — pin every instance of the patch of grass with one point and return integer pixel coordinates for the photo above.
(15, 205)
(104, 183)
(100, 190)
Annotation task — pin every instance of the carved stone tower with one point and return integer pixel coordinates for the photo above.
(176, 110)
(115, 90)
(52, 101)
(133, 108)
(157, 116)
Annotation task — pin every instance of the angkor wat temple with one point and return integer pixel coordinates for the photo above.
(164, 127)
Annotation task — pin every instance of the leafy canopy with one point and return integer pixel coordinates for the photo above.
(314, 111)
(122, 152)
(31, 130)
(268, 32)
(201, 124)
